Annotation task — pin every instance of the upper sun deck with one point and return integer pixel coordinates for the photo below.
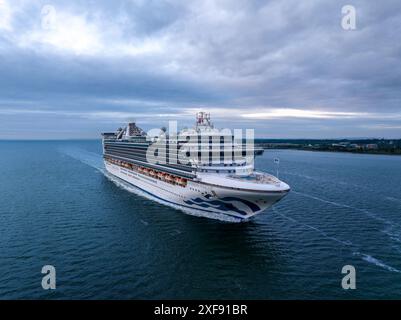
(203, 147)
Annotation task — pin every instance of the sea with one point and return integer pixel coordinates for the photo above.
(107, 240)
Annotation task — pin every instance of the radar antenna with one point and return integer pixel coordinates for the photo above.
(203, 120)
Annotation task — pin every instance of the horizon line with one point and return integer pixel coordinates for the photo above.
(93, 139)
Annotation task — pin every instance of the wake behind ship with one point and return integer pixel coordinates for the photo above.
(212, 176)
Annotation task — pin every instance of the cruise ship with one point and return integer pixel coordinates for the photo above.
(201, 170)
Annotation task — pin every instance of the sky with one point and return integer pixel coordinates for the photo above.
(288, 68)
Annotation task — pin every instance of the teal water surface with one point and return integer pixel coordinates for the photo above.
(58, 207)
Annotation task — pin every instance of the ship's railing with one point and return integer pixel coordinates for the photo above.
(263, 178)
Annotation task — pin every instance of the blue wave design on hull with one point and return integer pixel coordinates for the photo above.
(222, 204)
(250, 204)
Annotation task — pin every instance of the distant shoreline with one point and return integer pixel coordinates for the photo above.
(360, 146)
(357, 146)
(337, 151)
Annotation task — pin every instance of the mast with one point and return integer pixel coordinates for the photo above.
(203, 120)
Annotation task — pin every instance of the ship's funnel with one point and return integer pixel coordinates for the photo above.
(133, 130)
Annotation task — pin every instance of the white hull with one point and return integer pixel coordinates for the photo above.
(199, 196)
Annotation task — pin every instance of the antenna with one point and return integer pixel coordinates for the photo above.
(203, 120)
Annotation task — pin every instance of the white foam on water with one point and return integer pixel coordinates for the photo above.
(337, 204)
(365, 257)
(345, 243)
(376, 262)
(393, 234)
(394, 199)
(341, 205)
(91, 159)
(321, 179)
(95, 160)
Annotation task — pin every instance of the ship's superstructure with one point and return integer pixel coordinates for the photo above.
(201, 169)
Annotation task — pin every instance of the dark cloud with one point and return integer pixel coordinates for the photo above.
(163, 58)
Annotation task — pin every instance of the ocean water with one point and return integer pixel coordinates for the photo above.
(58, 207)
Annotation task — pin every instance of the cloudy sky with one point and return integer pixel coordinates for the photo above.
(70, 69)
